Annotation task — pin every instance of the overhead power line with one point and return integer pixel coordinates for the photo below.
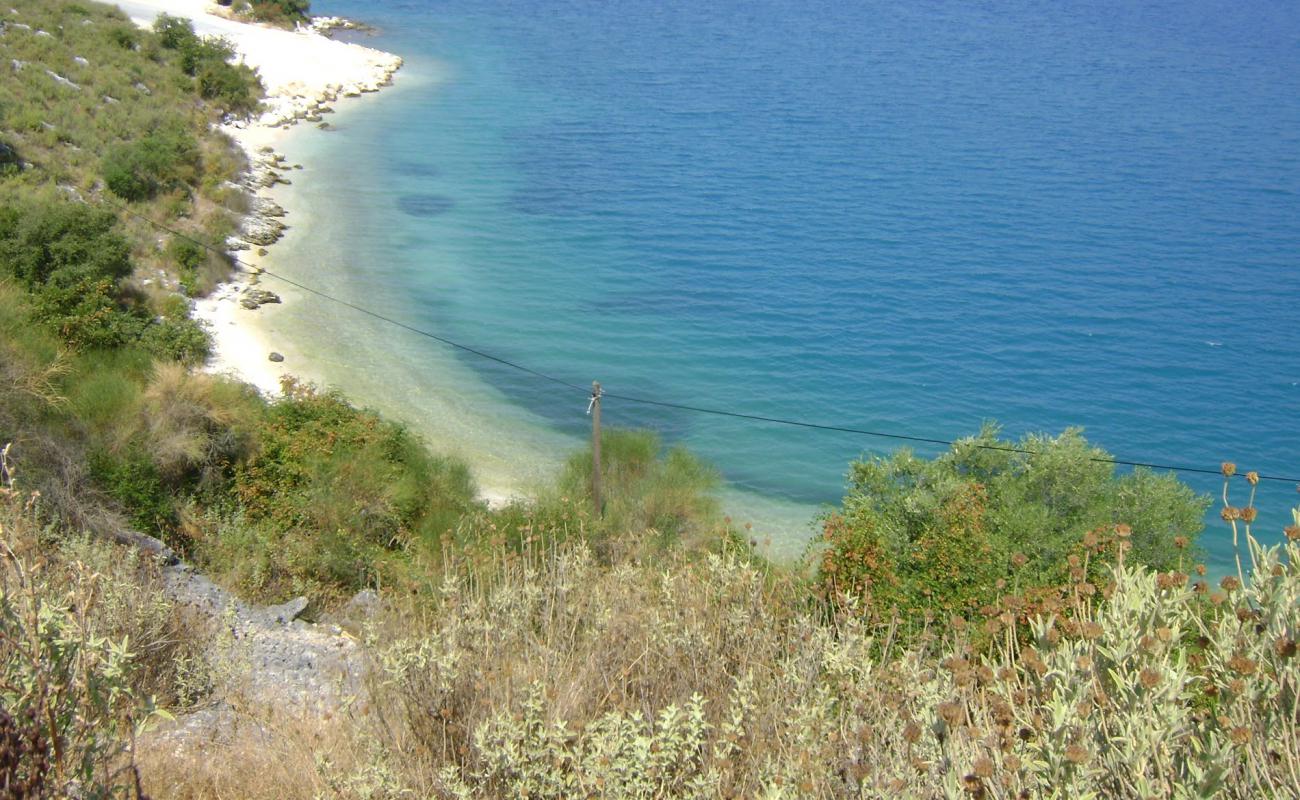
(646, 401)
(920, 439)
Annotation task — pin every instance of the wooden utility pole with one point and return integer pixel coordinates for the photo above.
(594, 409)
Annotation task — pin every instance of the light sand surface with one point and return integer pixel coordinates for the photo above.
(299, 68)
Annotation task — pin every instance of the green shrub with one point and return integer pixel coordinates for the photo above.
(337, 489)
(87, 314)
(188, 257)
(126, 37)
(235, 87)
(649, 491)
(207, 60)
(180, 339)
(10, 163)
(174, 33)
(131, 477)
(199, 51)
(953, 534)
(162, 160)
(61, 241)
(280, 12)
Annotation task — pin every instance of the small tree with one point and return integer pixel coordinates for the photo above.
(58, 240)
(280, 11)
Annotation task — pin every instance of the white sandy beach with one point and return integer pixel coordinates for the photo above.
(303, 72)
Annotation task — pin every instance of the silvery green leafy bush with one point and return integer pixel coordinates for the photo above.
(88, 648)
(554, 676)
(66, 702)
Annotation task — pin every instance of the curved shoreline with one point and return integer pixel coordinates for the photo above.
(305, 75)
(244, 338)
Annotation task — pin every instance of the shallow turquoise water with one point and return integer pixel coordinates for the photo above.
(902, 216)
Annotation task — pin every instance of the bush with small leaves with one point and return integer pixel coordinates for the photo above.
(207, 59)
(43, 240)
(280, 12)
(10, 163)
(165, 159)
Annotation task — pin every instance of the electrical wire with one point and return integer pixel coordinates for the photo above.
(650, 402)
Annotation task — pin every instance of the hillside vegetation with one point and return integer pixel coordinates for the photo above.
(547, 673)
(1009, 619)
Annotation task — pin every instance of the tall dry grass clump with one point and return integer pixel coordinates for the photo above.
(195, 423)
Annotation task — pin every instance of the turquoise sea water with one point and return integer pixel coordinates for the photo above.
(902, 216)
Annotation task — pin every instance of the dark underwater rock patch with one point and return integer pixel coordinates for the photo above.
(425, 205)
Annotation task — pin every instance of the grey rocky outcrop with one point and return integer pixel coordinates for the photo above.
(260, 231)
(276, 663)
(254, 299)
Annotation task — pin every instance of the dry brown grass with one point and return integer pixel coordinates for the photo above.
(193, 420)
(250, 758)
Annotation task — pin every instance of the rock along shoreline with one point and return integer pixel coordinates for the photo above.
(306, 75)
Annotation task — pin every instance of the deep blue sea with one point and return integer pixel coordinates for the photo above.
(901, 215)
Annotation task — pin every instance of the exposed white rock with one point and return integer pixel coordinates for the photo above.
(62, 80)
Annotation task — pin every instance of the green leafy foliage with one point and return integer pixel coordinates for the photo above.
(133, 479)
(207, 59)
(179, 339)
(333, 492)
(663, 494)
(135, 126)
(162, 160)
(71, 257)
(87, 314)
(10, 163)
(280, 12)
(61, 243)
(953, 534)
(188, 257)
